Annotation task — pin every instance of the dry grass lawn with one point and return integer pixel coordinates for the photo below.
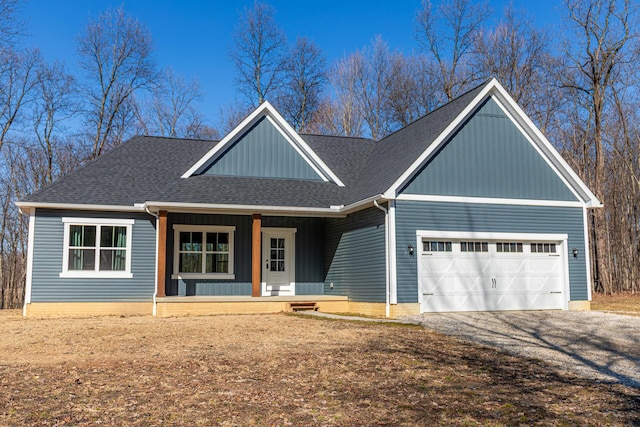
(622, 303)
(279, 370)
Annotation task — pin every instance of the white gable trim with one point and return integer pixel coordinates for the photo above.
(285, 129)
(547, 160)
(494, 88)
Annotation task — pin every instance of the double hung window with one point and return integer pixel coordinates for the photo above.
(203, 252)
(96, 247)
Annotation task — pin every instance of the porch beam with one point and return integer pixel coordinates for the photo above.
(256, 249)
(161, 256)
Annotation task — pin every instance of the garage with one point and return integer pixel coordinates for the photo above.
(491, 272)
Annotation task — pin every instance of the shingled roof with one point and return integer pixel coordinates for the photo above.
(151, 169)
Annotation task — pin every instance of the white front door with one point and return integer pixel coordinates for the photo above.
(278, 261)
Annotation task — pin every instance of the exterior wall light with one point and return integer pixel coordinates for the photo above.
(411, 250)
(575, 252)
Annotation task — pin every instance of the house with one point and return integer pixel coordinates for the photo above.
(467, 208)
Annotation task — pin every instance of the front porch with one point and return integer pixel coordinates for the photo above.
(207, 305)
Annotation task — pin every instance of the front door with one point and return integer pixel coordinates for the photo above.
(278, 262)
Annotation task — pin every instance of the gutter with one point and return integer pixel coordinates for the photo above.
(386, 258)
(155, 289)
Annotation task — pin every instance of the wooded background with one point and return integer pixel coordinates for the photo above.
(580, 86)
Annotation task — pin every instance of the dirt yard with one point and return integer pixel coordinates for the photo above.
(279, 370)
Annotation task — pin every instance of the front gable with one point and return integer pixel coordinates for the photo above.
(262, 152)
(264, 145)
(489, 157)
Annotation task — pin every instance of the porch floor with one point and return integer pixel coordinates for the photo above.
(248, 298)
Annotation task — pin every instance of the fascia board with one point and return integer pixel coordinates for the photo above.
(243, 209)
(288, 132)
(231, 136)
(78, 206)
(391, 192)
(517, 112)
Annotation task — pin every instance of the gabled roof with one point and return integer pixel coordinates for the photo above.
(267, 110)
(155, 171)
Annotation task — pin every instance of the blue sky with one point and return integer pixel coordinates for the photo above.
(193, 37)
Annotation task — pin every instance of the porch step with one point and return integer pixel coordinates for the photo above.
(303, 306)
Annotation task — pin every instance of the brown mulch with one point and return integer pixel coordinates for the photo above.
(279, 370)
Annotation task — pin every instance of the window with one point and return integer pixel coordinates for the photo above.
(509, 246)
(97, 247)
(543, 248)
(433, 246)
(203, 252)
(474, 246)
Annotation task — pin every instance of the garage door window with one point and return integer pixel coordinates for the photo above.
(509, 247)
(543, 248)
(434, 246)
(474, 246)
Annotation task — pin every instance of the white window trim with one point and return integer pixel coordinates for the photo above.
(86, 274)
(177, 228)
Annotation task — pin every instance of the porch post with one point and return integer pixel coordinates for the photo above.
(162, 254)
(256, 249)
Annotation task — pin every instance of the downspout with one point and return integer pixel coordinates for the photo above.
(386, 257)
(155, 288)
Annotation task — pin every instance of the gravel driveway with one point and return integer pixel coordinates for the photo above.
(599, 346)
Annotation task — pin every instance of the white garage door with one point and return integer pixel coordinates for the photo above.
(489, 275)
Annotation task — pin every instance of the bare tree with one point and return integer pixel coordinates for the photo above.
(516, 54)
(448, 32)
(18, 78)
(258, 53)
(171, 110)
(115, 54)
(596, 63)
(304, 77)
(55, 102)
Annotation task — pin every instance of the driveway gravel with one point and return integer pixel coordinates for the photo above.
(600, 346)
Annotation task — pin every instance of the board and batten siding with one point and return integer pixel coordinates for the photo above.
(355, 256)
(263, 152)
(308, 256)
(489, 157)
(48, 286)
(440, 216)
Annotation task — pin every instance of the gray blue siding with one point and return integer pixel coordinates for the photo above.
(47, 286)
(355, 256)
(412, 216)
(308, 257)
(489, 157)
(262, 152)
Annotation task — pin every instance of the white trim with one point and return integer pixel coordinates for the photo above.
(587, 253)
(494, 88)
(30, 245)
(476, 235)
(242, 209)
(536, 147)
(97, 221)
(81, 207)
(290, 255)
(519, 113)
(417, 164)
(97, 273)
(488, 200)
(300, 152)
(177, 228)
(386, 258)
(393, 270)
(285, 129)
